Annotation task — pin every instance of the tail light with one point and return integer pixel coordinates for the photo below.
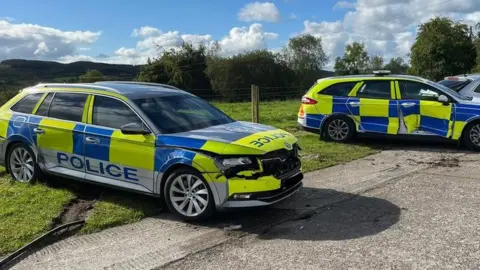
(301, 112)
(308, 101)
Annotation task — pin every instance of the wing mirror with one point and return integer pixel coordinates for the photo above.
(134, 129)
(443, 99)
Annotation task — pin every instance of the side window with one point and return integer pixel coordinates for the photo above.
(419, 91)
(477, 90)
(68, 106)
(27, 103)
(109, 112)
(339, 89)
(375, 89)
(43, 109)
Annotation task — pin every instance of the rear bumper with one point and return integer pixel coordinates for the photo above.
(288, 187)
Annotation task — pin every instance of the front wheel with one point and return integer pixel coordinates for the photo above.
(188, 195)
(471, 137)
(339, 129)
(21, 163)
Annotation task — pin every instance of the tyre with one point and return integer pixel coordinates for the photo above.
(188, 195)
(471, 136)
(22, 164)
(339, 129)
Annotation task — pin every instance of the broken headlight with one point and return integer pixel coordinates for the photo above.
(228, 163)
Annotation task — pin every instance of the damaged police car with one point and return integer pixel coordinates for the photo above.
(148, 138)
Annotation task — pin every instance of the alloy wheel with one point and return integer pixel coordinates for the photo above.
(22, 165)
(338, 129)
(189, 195)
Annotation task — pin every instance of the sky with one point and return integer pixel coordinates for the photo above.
(129, 32)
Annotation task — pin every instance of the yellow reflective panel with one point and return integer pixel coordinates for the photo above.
(374, 107)
(435, 109)
(324, 105)
(5, 117)
(58, 135)
(393, 125)
(204, 163)
(412, 122)
(136, 151)
(458, 129)
(268, 140)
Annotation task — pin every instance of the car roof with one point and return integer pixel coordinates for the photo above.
(374, 76)
(131, 90)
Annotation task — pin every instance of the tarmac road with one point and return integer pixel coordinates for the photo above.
(400, 208)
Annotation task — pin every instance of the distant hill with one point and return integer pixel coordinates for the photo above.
(18, 73)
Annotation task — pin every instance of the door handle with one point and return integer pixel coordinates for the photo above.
(408, 104)
(39, 131)
(354, 103)
(92, 140)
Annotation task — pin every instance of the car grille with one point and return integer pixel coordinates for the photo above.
(282, 164)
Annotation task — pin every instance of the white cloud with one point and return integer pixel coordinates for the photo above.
(292, 16)
(152, 42)
(387, 27)
(33, 41)
(259, 12)
(241, 39)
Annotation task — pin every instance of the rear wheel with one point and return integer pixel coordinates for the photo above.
(339, 129)
(21, 163)
(471, 137)
(188, 195)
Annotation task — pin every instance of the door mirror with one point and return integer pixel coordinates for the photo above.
(134, 129)
(443, 99)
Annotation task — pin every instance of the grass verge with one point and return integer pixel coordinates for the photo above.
(27, 211)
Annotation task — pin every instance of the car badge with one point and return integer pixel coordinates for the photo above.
(288, 146)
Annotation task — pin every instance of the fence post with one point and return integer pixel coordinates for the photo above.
(255, 104)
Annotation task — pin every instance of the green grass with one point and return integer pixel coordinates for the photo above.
(120, 208)
(27, 211)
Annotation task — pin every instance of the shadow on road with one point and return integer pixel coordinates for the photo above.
(426, 144)
(338, 216)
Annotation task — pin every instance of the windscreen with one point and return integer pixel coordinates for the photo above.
(454, 85)
(449, 91)
(180, 113)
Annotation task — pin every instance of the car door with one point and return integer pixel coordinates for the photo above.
(421, 112)
(59, 133)
(375, 107)
(115, 158)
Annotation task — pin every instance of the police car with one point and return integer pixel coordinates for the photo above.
(148, 138)
(340, 107)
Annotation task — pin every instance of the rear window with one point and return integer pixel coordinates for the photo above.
(339, 89)
(454, 85)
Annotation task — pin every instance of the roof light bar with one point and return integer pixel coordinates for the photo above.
(382, 72)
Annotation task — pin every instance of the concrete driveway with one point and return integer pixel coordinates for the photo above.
(396, 209)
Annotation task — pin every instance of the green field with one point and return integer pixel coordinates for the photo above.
(27, 210)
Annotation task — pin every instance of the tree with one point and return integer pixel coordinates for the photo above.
(305, 56)
(397, 66)
(232, 77)
(90, 76)
(354, 61)
(376, 63)
(442, 47)
(183, 67)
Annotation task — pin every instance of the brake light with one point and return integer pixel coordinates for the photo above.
(308, 101)
(451, 78)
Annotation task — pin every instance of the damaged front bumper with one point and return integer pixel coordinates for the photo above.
(279, 175)
(250, 197)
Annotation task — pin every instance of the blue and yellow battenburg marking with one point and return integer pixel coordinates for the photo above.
(382, 116)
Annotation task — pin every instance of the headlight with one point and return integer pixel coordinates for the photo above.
(227, 163)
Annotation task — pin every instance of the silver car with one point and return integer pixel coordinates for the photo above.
(467, 85)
